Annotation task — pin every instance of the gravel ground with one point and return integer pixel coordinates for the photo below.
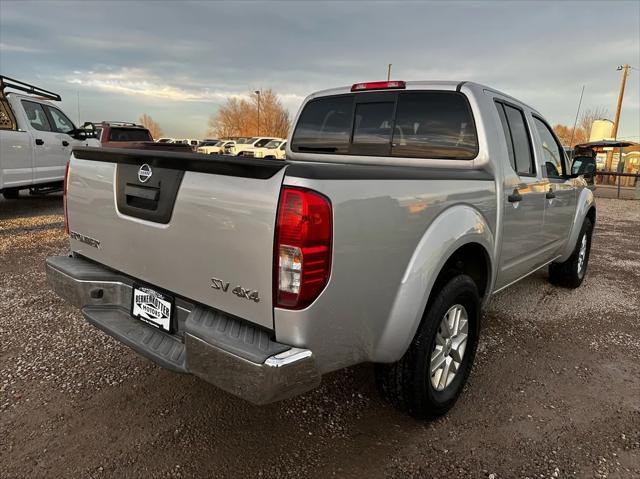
(555, 391)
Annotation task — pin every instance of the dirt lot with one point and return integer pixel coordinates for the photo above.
(555, 391)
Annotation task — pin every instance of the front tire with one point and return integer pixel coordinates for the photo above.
(571, 273)
(428, 379)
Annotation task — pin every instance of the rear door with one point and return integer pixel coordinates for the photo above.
(523, 198)
(201, 229)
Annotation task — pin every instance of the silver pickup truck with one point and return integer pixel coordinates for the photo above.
(400, 210)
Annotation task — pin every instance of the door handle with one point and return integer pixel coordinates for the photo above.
(550, 195)
(65, 143)
(514, 197)
(39, 141)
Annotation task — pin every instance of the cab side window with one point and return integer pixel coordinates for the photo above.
(61, 123)
(553, 154)
(36, 116)
(261, 143)
(518, 139)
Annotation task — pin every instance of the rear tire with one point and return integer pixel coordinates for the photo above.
(411, 384)
(572, 272)
(12, 194)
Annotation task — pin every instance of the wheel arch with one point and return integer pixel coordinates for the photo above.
(458, 241)
(585, 208)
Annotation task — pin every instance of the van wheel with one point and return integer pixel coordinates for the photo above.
(12, 194)
(571, 273)
(428, 379)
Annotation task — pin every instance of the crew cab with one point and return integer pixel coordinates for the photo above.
(247, 146)
(401, 209)
(36, 139)
(275, 149)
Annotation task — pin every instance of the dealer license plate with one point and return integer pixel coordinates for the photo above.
(152, 307)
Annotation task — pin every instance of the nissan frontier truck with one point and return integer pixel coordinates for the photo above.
(400, 209)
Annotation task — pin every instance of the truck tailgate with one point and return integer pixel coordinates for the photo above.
(192, 221)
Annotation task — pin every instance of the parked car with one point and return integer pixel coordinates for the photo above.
(400, 210)
(216, 149)
(192, 142)
(275, 149)
(36, 139)
(246, 146)
(120, 134)
(117, 134)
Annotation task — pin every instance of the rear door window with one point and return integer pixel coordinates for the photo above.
(518, 139)
(36, 116)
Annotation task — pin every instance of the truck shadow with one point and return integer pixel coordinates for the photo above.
(30, 206)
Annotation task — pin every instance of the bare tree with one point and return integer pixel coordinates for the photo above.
(239, 117)
(563, 133)
(152, 126)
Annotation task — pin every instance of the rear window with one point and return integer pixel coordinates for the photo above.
(129, 134)
(420, 124)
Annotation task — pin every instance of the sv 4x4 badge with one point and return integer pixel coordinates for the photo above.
(239, 291)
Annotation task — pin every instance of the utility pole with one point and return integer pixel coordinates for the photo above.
(616, 119)
(257, 92)
(389, 72)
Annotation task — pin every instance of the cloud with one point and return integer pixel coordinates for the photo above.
(139, 82)
(183, 59)
(7, 47)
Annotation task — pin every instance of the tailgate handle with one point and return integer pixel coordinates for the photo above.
(141, 192)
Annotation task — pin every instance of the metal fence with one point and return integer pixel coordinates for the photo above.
(623, 182)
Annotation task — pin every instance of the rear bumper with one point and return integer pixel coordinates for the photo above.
(231, 354)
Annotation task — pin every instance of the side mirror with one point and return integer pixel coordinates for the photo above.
(584, 166)
(86, 131)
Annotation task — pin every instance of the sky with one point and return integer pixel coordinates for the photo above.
(179, 61)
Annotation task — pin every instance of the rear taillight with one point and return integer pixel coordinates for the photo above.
(379, 85)
(64, 198)
(302, 260)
